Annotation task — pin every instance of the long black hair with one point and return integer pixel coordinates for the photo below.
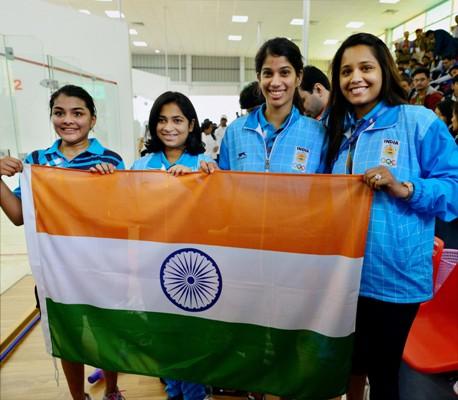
(193, 144)
(391, 91)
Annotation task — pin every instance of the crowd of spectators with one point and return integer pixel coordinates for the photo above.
(428, 67)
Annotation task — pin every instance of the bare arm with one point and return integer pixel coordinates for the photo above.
(9, 203)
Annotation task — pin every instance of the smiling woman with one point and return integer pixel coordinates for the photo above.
(408, 158)
(73, 115)
(275, 137)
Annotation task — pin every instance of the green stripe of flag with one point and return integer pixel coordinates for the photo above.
(222, 354)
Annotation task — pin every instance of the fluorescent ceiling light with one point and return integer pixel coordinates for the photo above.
(389, 1)
(157, 51)
(297, 21)
(330, 41)
(235, 38)
(85, 12)
(114, 14)
(133, 32)
(354, 24)
(140, 44)
(240, 18)
(105, 1)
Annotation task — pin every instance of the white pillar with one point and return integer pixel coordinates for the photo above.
(242, 72)
(305, 30)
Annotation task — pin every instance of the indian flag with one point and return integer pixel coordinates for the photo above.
(237, 280)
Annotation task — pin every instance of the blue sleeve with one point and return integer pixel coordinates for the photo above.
(223, 161)
(436, 190)
(121, 165)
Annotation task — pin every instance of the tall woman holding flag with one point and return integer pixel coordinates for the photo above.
(73, 116)
(408, 157)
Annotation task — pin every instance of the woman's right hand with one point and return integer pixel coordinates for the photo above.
(208, 167)
(10, 166)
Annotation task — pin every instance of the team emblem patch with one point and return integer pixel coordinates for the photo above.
(301, 156)
(389, 154)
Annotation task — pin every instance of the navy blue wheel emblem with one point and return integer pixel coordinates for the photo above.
(191, 279)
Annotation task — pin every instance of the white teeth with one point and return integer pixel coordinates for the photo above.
(358, 90)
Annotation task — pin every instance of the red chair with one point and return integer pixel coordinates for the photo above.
(437, 255)
(432, 345)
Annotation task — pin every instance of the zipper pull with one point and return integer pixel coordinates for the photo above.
(267, 165)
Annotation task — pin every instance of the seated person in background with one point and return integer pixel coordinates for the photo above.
(454, 94)
(424, 94)
(406, 83)
(444, 110)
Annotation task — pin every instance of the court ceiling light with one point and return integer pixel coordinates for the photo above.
(140, 44)
(114, 14)
(133, 32)
(354, 24)
(389, 1)
(330, 41)
(85, 12)
(240, 18)
(235, 38)
(157, 51)
(297, 21)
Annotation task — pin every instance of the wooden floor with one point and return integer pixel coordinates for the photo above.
(30, 373)
(15, 303)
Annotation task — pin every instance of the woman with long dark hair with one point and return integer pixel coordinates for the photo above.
(410, 161)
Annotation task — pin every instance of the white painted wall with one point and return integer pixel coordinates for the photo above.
(95, 44)
(210, 99)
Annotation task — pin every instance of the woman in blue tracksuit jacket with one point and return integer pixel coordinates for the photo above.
(176, 147)
(275, 137)
(408, 157)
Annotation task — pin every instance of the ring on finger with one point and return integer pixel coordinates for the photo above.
(377, 177)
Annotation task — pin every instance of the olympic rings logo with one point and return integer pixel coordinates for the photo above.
(388, 161)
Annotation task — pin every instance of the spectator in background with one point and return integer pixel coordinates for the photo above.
(220, 131)
(444, 110)
(406, 84)
(454, 95)
(314, 90)
(251, 97)
(209, 139)
(455, 122)
(444, 43)
(424, 94)
(455, 28)
(454, 70)
(420, 43)
(426, 61)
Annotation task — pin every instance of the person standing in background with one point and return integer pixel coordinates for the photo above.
(314, 90)
(219, 133)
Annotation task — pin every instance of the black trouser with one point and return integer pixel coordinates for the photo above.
(381, 332)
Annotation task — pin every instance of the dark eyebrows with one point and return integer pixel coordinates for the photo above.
(73, 109)
(172, 116)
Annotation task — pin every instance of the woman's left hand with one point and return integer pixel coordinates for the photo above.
(178, 170)
(103, 168)
(381, 178)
